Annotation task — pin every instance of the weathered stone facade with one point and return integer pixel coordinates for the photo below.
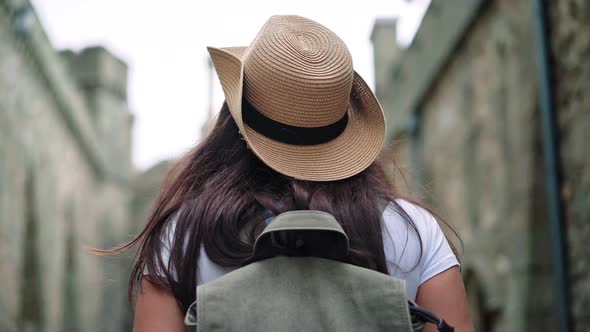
(462, 103)
(570, 37)
(66, 182)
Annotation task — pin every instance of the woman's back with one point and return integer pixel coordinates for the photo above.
(406, 256)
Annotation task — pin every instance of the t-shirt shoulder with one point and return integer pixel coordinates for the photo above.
(421, 248)
(207, 269)
(166, 239)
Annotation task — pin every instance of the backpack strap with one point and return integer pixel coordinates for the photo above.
(302, 233)
(421, 316)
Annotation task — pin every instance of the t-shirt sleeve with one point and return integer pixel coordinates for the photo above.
(437, 255)
(207, 269)
(166, 238)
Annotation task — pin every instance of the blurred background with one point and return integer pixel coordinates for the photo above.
(488, 116)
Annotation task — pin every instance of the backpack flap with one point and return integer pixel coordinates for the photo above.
(316, 293)
(284, 294)
(302, 233)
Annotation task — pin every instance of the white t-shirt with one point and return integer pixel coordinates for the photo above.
(400, 242)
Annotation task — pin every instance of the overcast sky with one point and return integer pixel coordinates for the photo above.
(164, 44)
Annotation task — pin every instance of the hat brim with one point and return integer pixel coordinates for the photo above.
(347, 155)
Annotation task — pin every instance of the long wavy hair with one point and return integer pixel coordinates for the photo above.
(218, 196)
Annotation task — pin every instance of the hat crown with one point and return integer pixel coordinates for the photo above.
(298, 72)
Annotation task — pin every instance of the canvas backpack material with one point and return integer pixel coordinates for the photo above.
(297, 282)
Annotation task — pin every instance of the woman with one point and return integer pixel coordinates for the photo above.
(299, 130)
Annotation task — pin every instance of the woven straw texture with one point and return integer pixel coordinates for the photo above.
(300, 73)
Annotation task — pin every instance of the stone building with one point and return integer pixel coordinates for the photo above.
(66, 182)
(464, 107)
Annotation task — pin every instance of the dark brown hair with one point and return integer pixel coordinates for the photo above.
(218, 196)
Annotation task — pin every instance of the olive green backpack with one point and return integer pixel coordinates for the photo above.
(297, 282)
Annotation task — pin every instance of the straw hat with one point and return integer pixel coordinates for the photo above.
(298, 103)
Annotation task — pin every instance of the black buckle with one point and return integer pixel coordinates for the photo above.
(429, 317)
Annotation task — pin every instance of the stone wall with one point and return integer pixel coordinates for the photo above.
(570, 38)
(462, 107)
(479, 159)
(65, 176)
